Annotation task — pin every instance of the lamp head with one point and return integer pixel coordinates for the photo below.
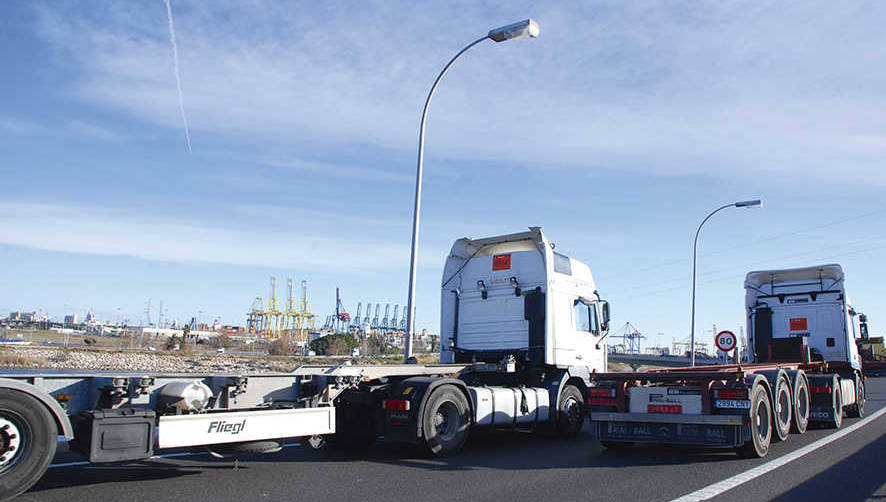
(516, 31)
(749, 203)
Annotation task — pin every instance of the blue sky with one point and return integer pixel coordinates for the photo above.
(617, 130)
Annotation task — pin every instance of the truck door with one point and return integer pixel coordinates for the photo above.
(575, 343)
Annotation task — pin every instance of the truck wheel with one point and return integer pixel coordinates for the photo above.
(571, 412)
(761, 425)
(781, 409)
(27, 442)
(801, 403)
(617, 445)
(857, 410)
(244, 449)
(445, 421)
(837, 420)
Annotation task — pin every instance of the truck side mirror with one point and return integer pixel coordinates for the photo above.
(604, 326)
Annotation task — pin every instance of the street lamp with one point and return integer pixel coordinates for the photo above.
(743, 203)
(516, 31)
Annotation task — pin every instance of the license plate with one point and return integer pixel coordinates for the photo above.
(732, 404)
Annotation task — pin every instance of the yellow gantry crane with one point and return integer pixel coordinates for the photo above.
(272, 322)
(273, 316)
(304, 317)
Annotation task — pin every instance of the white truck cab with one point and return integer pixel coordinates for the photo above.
(806, 304)
(514, 295)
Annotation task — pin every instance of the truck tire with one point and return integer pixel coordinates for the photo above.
(446, 421)
(570, 412)
(837, 420)
(617, 445)
(244, 449)
(782, 406)
(760, 424)
(801, 403)
(856, 410)
(27, 441)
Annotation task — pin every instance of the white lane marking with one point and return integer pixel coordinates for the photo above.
(730, 483)
(167, 455)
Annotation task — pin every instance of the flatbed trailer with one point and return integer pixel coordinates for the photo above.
(521, 335)
(807, 370)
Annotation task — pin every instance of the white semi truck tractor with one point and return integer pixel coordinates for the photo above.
(804, 367)
(521, 331)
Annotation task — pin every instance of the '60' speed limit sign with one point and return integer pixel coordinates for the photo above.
(725, 341)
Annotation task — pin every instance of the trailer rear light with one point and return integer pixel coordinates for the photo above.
(395, 404)
(600, 392)
(820, 389)
(602, 401)
(730, 393)
(664, 408)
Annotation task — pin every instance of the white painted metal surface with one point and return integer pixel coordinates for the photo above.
(220, 428)
(688, 398)
(810, 302)
(507, 406)
(495, 268)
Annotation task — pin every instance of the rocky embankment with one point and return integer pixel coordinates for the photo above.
(115, 360)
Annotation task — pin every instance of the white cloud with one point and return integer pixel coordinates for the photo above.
(83, 229)
(718, 88)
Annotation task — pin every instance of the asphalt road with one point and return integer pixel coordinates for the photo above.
(494, 467)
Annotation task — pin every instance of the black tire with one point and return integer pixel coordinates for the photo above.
(244, 449)
(617, 445)
(570, 412)
(33, 444)
(836, 420)
(446, 421)
(801, 403)
(761, 425)
(857, 410)
(782, 407)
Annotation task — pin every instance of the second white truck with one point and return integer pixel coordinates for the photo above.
(804, 367)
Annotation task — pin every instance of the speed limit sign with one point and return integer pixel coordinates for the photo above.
(725, 340)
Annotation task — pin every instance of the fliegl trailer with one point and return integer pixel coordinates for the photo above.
(804, 367)
(521, 335)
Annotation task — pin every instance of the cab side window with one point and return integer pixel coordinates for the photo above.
(585, 317)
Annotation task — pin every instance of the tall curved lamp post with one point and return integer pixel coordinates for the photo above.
(516, 31)
(744, 203)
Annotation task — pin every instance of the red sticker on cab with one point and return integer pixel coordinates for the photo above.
(501, 262)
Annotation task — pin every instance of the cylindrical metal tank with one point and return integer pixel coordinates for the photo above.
(189, 396)
(510, 406)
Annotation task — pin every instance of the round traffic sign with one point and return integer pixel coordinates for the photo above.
(725, 340)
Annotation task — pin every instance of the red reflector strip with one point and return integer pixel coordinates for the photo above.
(601, 401)
(731, 393)
(602, 392)
(664, 408)
(820, 389)
(395, 404)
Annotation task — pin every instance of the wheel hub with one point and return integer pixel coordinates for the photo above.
(573, 412)
(10, 441)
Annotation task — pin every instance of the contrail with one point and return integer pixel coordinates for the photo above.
(178, 79)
